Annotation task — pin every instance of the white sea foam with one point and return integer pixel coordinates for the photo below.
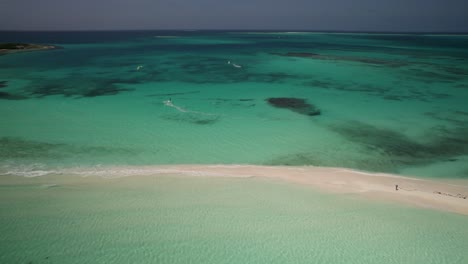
(28, 173)
(119, 172)
(25, 170)
(128, 171)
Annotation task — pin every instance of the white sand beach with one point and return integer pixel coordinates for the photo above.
(444, 195)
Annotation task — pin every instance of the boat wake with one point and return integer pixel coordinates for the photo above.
(183, 110)
(234, 65)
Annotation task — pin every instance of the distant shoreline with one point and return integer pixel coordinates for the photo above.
(10, 48)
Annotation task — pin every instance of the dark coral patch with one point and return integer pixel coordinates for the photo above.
(79, 86)
(14, 148)
(106, 90)
(9, 96)
(386, 150)
(297, 105)
(274, 77)
(196, 119)
(456, 71)
(393, 98)
(302, 54)
(3, 84)
(402, 150)
(429, 76)
(19, 148)
(297, 54)
(108, 87)
(50, 89)
(373, 61)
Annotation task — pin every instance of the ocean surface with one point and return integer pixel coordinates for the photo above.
(374, 102)
(109, 100)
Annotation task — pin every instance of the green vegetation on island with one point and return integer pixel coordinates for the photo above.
(6, 48)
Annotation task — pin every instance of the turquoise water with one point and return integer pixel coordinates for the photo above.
(213, 220)
(388, 103)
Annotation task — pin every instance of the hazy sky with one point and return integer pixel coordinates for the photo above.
(364, 15)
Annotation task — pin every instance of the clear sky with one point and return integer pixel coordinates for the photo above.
(346, 15)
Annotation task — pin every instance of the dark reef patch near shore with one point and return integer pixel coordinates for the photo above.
(395, 92)
(385, 150)
(455, 118)
(3, 84)
(456, 71)
(463, 113)
(14, 148)
(108, 87)
(103, 91)
(434, 75)
(79, 88)
(299, 54)
(49, 89)
(196, 119)
(19, 148)
(8, 96)
(296, 159)
(349, 87)
(318, 159)
(297, 105)
(402, 150)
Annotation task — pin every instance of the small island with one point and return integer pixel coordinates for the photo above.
(7, 48)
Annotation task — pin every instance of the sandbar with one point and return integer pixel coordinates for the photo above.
(446, 195)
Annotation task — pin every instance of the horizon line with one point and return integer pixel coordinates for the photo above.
(241, 30)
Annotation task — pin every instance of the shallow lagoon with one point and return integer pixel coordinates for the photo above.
(388, 103)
